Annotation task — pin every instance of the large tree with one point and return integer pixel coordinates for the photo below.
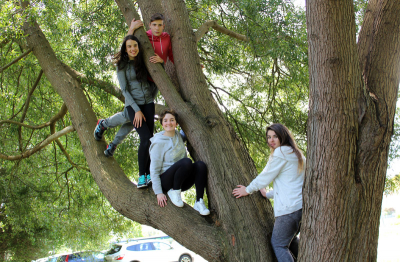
(352, 100)
(353, 92)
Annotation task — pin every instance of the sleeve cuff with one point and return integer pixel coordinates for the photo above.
(136, 108)
(247, 191)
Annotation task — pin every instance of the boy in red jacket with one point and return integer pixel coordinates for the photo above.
(160, 40)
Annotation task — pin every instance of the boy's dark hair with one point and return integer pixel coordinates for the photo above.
(168, 111)
(156, 16)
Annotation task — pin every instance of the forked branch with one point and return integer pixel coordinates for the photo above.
(203, 29)
(103, 85)
(39, 146)
(55, 118)
(15, 60)
(63, 150)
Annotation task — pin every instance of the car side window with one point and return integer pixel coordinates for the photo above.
(146, 247)
(161, 246)
(133, 248)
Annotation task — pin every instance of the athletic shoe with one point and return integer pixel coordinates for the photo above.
(148, 180)
(175, 196)
(199, 206)
(142, 181)
(99, 130)
(110, 150)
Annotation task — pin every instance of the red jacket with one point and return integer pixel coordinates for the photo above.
(161, 45)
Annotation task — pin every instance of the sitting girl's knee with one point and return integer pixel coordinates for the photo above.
(186, 162)
(200, 164)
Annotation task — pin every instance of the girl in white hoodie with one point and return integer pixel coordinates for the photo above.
(171, 170)
(286, 169)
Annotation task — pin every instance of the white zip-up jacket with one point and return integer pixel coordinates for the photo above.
(282, 168)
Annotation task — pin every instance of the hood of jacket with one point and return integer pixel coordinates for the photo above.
(166, 140)
(285, 152)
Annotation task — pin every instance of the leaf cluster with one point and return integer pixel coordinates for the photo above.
(50, 201)
(260, 81)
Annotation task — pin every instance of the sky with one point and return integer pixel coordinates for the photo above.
(299, 2)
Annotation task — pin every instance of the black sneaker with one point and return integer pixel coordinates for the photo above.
(110, 150)
(148, 180)
(142, 181)
(99, 130)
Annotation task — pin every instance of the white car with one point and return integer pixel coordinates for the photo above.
(148, 251)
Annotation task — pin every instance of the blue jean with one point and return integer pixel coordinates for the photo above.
(284, 238)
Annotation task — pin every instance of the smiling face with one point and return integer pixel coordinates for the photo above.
(132, 48)
(157, 27)
(169, 123)
(273, 140)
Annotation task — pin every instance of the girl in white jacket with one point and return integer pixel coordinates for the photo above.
(286, 169)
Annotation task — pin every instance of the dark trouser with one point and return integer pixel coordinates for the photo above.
(145, 133)
(183, 175)
(284, 236)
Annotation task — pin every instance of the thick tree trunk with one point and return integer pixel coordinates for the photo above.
(212, 138)
(352, 103)
(237, 230)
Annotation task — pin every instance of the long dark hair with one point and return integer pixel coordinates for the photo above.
(286, 139)
(121, 59)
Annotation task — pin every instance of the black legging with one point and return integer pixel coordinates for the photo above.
(183, 175)
(145, 133)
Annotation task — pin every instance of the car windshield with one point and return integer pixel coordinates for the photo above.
(114, 249)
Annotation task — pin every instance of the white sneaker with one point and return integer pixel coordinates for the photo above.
(175, 196)
(199, 206)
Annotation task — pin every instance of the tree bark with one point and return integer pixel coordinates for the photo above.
(353, 92)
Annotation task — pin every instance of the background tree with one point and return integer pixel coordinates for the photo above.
(353, 93)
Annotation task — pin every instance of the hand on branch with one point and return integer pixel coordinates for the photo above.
(156, 59)
(162, 200)
(240, 191)
(135, 24)
(263, 192)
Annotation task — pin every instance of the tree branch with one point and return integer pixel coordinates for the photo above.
(55, 118)
(203, 29)
(103, 85)
(63, 150)
(16, 60)
(4, 42)
(26, 106)
(28, 99)
(38, 147)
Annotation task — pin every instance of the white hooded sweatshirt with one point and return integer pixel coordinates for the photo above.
(282, 168)
(164, 152)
